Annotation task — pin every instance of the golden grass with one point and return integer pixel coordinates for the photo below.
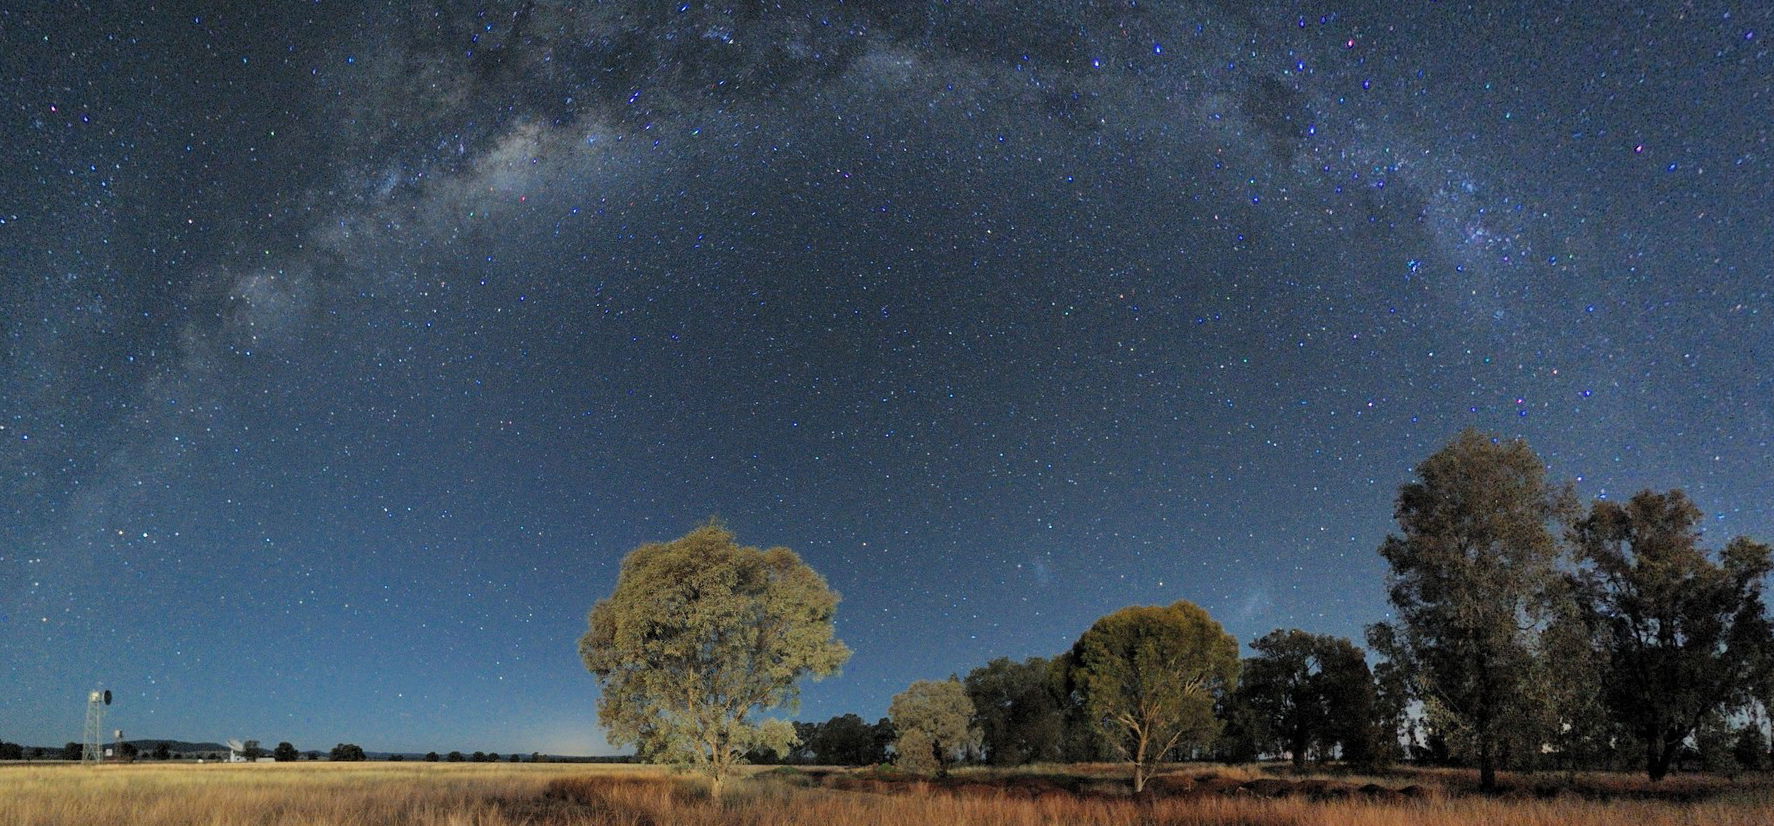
(396, 794)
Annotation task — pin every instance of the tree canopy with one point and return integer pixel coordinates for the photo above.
(1148, 676)
(1309, 694)
(1472, 578)
(699, 636)
(1018, 709)
(934, 719)
(1682, 635)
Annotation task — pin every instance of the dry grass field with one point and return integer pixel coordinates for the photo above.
(394, 794)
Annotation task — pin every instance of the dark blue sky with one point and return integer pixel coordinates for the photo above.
(348, 352)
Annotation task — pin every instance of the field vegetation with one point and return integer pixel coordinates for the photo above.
(386, 794)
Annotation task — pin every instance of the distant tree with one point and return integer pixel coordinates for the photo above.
(454, 757)
(431, 757)
(844, 740)
(1684, 635)
(73, 751)
(127, 750)
(162, 751)
(1472, 580)
(536, 757)
(700, 635)
(348, 753)
(881, 738)
(396, 758)
(11, 751)
(252, 751)
(478, 757)
(1749, 747)
(938, 717)
(1149, 678)
(514, 758)
(313, 755)
(285, 753)
(1309, 693)
(1018, 710)
(1081, 738)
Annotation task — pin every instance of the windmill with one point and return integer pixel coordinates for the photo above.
(95, 725)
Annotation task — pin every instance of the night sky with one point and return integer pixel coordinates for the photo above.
(349, 347)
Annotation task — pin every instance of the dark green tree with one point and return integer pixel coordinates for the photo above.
(285, 752)
(162, 751)
(1472, 576)
(1685, 636)
(1149, 678)
(454, 757)
(1309, 694)
(73, 751)
(431, 757)
(1749, 747)
(845, 740)
(1017, 709)
(348, 753)
(700, 636)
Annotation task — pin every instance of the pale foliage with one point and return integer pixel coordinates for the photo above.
(934, 719)
(702, 634)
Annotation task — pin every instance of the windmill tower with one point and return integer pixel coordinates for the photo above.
(95, 725)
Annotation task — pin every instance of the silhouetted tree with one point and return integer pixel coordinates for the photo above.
(1309, 693)
(348, 753)
(454, 757)
(1017, 709)
(431, 757)
(1684, 635)
(284, 753)
(844, 740)
(1150, 677)
(1471, 579)
(162, 751)
(73, 751)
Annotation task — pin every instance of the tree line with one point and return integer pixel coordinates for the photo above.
(1528, 631)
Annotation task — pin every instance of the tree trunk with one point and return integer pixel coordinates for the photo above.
(1659, 757)
(1298, 745)
(1139, 777)
(1487, 766)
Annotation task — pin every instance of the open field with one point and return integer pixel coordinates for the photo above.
(394, 794)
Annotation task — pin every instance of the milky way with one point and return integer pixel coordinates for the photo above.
(348, 351)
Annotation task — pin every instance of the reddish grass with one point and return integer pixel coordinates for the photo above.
(504, 795)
